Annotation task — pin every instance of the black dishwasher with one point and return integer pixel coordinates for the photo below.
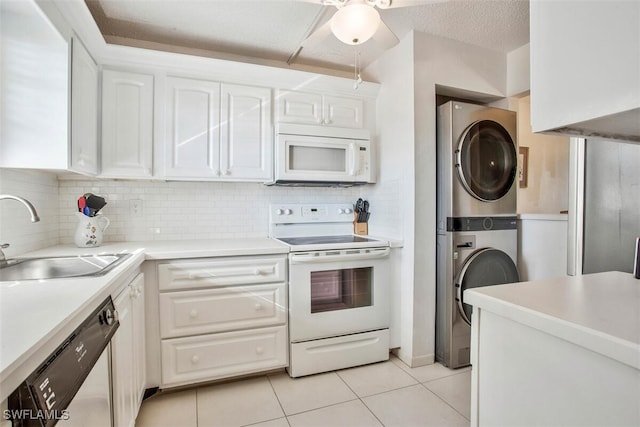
(43, 398)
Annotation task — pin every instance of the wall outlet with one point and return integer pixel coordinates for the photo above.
(135, 206)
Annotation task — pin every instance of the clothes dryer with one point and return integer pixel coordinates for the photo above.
(477, 161)
(479, 251)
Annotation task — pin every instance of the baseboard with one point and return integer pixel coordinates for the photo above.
(414, 361)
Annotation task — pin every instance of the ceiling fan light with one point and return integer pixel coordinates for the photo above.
(355, 23)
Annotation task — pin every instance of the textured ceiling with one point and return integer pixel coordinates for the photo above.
(271, 31)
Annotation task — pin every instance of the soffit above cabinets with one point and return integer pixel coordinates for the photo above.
(271, 31)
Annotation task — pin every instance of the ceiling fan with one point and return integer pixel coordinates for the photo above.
(357, 21)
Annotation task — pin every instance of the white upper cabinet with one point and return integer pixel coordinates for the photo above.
(315, 109)
(585, 68)
(217, 132)
(246, 135)
(127, 124)
(84, 111)
(192, 128)
(49, 94)
(34, 89)
(343, 112)
(299, 107)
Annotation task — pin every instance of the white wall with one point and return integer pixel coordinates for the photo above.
(518, 71)
(393, 195)
(16, 228)
(547, 188)
(407, 131)
(186, 210)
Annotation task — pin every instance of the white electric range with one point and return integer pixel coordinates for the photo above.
(338, 288)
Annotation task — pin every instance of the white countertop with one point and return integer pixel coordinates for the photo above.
(600, 312)
(543, 217)
(37, 315)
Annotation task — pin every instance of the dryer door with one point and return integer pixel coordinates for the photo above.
(486, 160)
(484, 267)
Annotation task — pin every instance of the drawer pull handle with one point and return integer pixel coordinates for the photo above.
(195, 276)
(262, 271)
(193, 313)
(195, 360)
(259, 350)
(258, 306)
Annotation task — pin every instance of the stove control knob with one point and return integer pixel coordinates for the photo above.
(279, 211)
(348, 211)
(288, 211)
(341, 211)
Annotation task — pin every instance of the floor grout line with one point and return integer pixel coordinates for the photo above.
(278, 399)
(444, 400)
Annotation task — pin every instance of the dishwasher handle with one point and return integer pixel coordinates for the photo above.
(342, 255)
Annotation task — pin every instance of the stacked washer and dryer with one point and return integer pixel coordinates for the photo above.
(477, 239)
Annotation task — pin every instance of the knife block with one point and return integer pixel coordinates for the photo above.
(361, 228)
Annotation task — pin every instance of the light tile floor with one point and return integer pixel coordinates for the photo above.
(382, 394)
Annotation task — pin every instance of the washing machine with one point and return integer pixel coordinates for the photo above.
(480, 251)
(477, 161)
(477, 236)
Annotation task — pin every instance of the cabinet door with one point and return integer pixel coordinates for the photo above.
(343, 112)
(299, 107)
(34, 89)
(138, 346)
(192, 133)
(122, 362)
(246, 149)
(127, 124)
(128, 354)
(84, 111)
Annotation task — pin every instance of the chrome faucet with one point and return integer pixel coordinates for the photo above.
(32, 212)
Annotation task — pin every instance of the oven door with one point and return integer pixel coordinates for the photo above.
(341, 292)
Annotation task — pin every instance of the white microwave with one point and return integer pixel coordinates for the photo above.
(322, 156)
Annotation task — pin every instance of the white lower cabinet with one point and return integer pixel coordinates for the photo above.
(128, 354)
(221, 318)
(192, 359)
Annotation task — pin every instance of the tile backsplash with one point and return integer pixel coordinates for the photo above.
(16, 228)
(158, 210)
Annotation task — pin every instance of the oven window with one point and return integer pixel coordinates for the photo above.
(303, 158)
(341, 289)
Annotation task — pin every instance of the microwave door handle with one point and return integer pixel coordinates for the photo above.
(353, 158)
(313, 259)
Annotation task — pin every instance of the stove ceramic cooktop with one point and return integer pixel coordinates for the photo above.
(323, 240)
(348, 241)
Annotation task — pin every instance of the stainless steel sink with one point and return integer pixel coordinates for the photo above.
(59, 267)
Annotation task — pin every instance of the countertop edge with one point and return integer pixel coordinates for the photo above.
(605, 344)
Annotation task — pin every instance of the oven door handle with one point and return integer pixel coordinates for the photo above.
(341, 256)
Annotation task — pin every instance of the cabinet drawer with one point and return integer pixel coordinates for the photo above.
(222, 309)
(180, 275)
(210, 357)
